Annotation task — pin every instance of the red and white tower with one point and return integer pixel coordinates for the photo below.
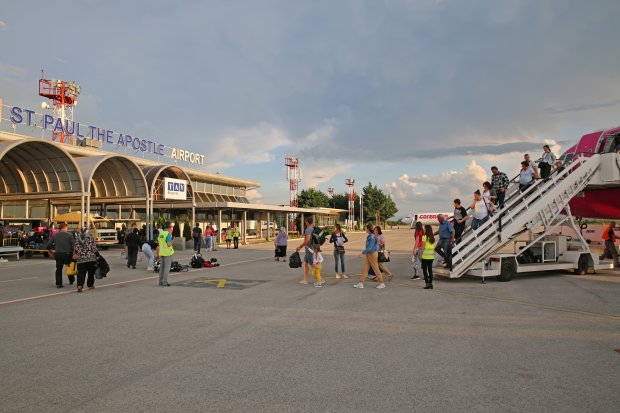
(64, 98)
(293, 175)
(351, 184)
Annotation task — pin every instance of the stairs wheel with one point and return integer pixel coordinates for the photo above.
(507, 271)
(583, 264)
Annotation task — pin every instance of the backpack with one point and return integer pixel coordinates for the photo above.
(318, 236)
(177, 267)
(294, 261)
(197, 261)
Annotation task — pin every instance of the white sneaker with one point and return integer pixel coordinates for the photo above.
(359, 285)
(317, 285)
(338, 277)
(381, 285)
(303, 282)
(344, 276)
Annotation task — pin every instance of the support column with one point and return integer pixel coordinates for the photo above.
(87, 211)
(218, 238)
(268, 220)
(82, 210)
(259, 233)
(286, 223)
(245, 227)
(149, 219)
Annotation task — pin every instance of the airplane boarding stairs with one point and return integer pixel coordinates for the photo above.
(540, 205)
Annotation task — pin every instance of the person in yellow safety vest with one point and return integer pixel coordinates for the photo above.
(236, 234)
(428, 256)
(610, 244)
(165, 250)
(229, 234)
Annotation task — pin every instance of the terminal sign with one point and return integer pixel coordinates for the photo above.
(105, 136)
(175, 189)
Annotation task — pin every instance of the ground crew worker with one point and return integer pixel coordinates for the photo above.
(610, 244)
(165, 250)
(236, 234)
(229, 236)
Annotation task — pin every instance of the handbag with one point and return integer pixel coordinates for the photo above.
(72, 268)
(340, 249)
(384, 256)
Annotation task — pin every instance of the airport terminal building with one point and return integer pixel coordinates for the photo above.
(42, 177)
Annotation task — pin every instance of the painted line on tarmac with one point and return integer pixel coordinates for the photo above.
(38, 297)
(522, 303)
(19, 279)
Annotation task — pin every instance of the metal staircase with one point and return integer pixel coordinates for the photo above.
(540, 205)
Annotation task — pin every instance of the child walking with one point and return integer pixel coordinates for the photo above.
(317, 260)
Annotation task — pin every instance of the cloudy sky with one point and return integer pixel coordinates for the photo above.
(420, 97)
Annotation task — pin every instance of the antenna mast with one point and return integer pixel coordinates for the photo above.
(64, 97)
(293, 175)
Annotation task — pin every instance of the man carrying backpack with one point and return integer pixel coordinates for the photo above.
(308, 243)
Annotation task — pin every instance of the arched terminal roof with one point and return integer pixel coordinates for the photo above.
(112, 177)
(155, 176)
(35, 167)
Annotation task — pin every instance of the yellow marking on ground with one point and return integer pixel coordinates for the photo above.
(221, 283)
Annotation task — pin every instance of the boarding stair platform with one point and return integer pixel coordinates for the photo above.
(543, 204)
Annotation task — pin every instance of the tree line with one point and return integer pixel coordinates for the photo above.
(378, 206)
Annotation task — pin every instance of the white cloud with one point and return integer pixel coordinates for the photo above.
(435, 192)
(254, 196)
(247, 146)
(2, 24)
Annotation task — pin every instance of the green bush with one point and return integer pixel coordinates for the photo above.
(187, 230)
(176, 231)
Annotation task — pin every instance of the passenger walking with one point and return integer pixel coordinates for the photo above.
(165, 251)
(317, 263)
(446, 239)
(481, 210)
(531, 163)
(197, 236)
(499, 182)
(132, 243)
(418, 247)
(610, 244)
(428, 256)
(526, 176)
(281, 243)
(229, 235)
(214, 241)
(547, 159)
(338, 238)
(63, 243)
(149, 248)
(370, 259)
(236, 234)
(307, 244)
(460, 217)
(86, 256)
(381, 251)
(488, 193)
(208, 237)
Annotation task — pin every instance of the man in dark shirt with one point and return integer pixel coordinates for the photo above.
(197, 236)
(63, 252)
(460, 216)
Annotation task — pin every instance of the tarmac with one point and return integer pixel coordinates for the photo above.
(247, 337)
